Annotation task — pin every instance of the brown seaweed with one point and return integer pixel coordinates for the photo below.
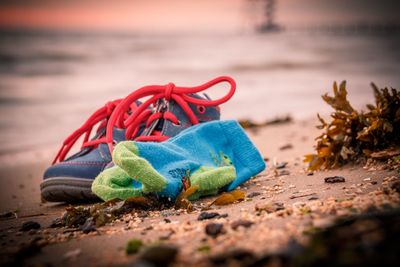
(352, 135)
(182, 201)
(227, 198)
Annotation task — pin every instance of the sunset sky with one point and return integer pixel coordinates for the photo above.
(184, 15)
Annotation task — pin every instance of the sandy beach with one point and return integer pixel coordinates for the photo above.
(53, 78)
(60, 61)
(307, 202)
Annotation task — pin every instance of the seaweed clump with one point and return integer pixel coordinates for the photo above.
(353, 135)
(100, 214)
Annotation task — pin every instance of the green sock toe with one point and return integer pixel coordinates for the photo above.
(126, 156)
(114, 183)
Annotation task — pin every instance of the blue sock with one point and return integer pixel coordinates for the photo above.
(215, 155)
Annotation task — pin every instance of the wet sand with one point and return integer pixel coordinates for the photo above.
(308, 202)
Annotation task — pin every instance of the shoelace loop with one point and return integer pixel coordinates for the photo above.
(179, 94)
(99, 116)
(125, 114)
(168, 91)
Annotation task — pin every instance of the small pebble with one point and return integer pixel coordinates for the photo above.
(253, 194)
(334, 179)
(214, 229)
(7, 215)
(284, 172)
(270, 207)
(88, 226)
(29, 225)
(287, 146)
(210, 215)
(281, 165)
(396, 186)
(167, 213)
(32, 232)
(245, 223)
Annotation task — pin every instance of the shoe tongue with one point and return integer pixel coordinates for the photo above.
(157, 125)
(162, 106)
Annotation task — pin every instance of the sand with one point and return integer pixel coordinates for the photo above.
(307, 202)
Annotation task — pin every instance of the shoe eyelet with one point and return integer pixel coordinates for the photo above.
(201, 109)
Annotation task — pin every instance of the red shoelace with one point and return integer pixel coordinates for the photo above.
(125, 114)
(98, 117)
(168, 92)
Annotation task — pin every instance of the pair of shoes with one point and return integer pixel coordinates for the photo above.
(166, 111)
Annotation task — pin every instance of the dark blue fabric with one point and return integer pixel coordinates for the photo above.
(87, 165)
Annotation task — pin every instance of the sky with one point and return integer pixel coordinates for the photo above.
(189, 16)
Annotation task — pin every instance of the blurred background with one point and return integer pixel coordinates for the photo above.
(61, 60)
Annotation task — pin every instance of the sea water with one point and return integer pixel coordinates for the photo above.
(50, 82)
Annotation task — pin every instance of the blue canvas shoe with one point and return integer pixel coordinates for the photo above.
(69, 179)
(169, 111)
